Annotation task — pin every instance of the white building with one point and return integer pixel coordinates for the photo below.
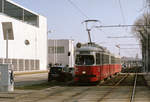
(61, 51)
(27, 37)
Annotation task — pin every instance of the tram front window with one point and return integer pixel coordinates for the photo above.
(84, 59)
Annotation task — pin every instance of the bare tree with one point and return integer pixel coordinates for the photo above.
(142, 32)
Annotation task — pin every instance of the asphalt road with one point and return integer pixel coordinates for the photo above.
(73, 93)
(77, 94)
(29, 79)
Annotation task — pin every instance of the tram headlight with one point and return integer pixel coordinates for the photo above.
(84, 72)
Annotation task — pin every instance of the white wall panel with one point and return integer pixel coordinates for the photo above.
(23, 31)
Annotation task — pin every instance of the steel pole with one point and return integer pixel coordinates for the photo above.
(89, 35)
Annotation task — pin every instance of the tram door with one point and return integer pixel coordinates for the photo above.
(98, 63)
(101, 66)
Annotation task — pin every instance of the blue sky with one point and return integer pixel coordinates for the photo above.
(64, 20)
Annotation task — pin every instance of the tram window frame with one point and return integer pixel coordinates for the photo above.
(98, 58)
(112, 60)
(105, 59)
(101, 58)
(118, 61)
(80, 60)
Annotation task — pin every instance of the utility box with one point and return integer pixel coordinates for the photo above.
(6, 78)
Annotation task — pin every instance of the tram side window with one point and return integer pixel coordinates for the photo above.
(118, 61)
(97, 58)
(105, 59)
(115, 60)
(112, 60)
(101, 58)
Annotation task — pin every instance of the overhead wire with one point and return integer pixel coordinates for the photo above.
(122, 13)
(78, 8)
(84, 15)
(144, 6)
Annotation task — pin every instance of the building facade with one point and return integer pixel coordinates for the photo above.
(26, 32)
(61, 52)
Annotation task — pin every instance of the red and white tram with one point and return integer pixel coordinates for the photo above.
(94, 63)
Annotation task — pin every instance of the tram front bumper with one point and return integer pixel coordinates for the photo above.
(86, 78)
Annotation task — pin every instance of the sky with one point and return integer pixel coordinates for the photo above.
(65, 21)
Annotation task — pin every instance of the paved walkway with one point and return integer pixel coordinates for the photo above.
(147, 78)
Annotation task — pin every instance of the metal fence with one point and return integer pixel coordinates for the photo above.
(22, 64)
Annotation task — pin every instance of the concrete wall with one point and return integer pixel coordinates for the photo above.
(61, 58)
(37, 36)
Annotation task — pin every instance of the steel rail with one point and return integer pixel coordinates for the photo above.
(77, 95)
(134, 89)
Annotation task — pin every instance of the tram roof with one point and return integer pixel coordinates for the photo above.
(92, 47)
(95, 47)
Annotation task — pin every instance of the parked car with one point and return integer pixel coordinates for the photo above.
(71, 70)
(59, 73)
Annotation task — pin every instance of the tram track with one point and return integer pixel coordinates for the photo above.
(134, 88)
(78, 94)
(116, 86)
(75, 97)
(58, 91)
(112, 88)
(122, 83)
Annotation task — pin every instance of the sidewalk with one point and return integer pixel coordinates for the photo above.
(147, 78)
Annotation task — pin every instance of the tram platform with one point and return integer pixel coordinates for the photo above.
(147, 78)
(16, 73)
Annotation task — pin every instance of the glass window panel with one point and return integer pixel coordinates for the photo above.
(84, 60)
(51, 50)
(13, 10)
(60, 49)
(30, 18)
(97, 58)
(0, 5)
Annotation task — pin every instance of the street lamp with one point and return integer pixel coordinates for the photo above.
(8, 35)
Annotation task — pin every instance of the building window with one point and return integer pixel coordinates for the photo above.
(19, 13)
(13, 10)
(31, 18)
(52, 50)
(60, 49)
(0, 5)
